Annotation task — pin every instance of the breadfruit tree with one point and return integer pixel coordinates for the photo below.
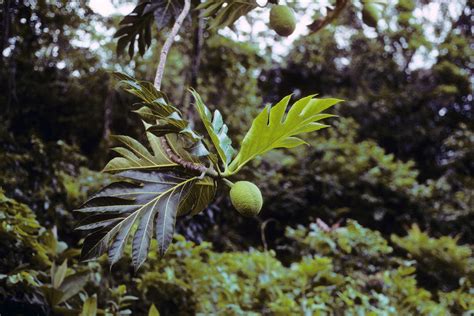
(177, 171)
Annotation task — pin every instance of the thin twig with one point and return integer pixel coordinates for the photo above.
(169, 41)
(329, 18)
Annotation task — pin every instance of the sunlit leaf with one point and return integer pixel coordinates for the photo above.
(273, 129)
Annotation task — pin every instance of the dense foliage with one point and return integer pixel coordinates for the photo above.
(375, 217)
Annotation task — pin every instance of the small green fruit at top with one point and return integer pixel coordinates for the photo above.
(282, 20)
(406, 5)
(370, 14)
(246, 198)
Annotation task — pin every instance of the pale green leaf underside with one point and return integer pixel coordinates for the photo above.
(275, 128)
(142, 89)
(216, 129)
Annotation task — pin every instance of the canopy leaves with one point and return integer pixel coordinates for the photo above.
(135, 28)
(225, 13)
(272, 129)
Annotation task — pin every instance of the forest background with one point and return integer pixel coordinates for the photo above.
(375, 217)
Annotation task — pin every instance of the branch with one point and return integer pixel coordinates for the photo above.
(158, 78)
(169, 41)
(330, 17)
(191, 76)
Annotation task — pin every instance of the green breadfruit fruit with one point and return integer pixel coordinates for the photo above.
(282, 20)
(406, 5)
(370, 14)
(246, 198)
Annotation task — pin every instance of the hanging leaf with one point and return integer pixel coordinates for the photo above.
(149, 200)
(216, 129)
(166, 11)
(136, 26)
(272, 129)
(224, 13)
(199, 197)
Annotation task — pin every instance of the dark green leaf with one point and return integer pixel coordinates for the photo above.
(224, 13)
(136, 26)
(159, 197)
(133, 28)
(166, 11)
(73, 284)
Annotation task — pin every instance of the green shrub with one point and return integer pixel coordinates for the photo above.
(332, 277)
(342, 270)
(440, 259)
(20, 236)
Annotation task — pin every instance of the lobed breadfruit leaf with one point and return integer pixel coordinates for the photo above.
(154, 186)
(134, 156)
(135, 28)
(160, 117)
(275, 128)
(142, 203)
